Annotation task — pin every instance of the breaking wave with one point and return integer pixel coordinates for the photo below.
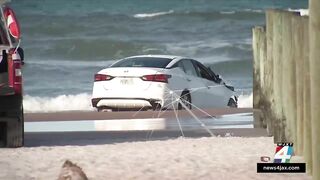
(227, 12)
(303, 12)
(59, 103)
(149, 15)
(245, 101)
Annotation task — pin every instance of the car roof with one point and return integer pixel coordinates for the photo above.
(173, 58)
(157, 56)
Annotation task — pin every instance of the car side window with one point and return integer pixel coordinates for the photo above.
(215, 77)
(179, 65)
(189, 68)
(204, 72)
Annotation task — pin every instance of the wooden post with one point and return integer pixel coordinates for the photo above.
(299, 61)
(307, 153)
(295, 81)
(263, 59)
(258, 46)
(277, 74)
(268, 78)
(288, 77)
(256, 32)
(314, 36)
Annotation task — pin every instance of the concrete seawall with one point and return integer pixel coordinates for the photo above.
(287, 81)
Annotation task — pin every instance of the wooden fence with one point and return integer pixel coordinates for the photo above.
(287, 81)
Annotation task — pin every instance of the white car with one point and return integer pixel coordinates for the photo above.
(159, 82)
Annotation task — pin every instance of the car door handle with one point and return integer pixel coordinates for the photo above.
(188, 79)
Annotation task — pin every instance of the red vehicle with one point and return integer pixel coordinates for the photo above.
(11, 61)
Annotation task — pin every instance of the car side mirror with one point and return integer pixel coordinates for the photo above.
(218, 77)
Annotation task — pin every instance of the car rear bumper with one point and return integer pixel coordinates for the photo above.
(128, 97)
(125, 102)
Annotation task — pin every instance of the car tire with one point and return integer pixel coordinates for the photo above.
(15, 131)
(232, 103)
(186, 99)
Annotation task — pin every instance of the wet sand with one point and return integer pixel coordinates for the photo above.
(34, 139)
(92, 115)
(111, 136)
(106, 136)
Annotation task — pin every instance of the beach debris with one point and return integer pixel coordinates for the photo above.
(265, 158)
(71, 171)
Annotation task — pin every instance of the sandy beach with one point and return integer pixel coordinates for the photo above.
(160, 154)
(146, 154)
(181, 158)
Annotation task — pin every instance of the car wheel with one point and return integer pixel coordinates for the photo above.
(15, 131)
(186, 100)
(232, 103)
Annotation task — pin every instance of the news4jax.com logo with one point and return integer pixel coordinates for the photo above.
(281, 161)
(283, 153)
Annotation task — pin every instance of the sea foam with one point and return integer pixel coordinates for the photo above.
(149, 15)
(303, 12)
(58, 103)
(245, 101)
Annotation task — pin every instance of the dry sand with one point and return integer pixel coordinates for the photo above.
(182, 158)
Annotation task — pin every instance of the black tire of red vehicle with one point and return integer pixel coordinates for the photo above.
(15, 131)
(186, 99)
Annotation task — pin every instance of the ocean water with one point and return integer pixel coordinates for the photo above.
(67, 42)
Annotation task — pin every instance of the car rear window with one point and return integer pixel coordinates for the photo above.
(152, 62)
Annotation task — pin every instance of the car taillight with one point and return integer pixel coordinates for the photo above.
(14, 71)
(102, 77)
(156, 77)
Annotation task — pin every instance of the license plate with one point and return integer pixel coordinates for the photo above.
(126, 81)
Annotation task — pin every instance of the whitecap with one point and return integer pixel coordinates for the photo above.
(254, 10)
(245, 101)
(150, 15)
(227, 12)
(303, 12)
(34, 104)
